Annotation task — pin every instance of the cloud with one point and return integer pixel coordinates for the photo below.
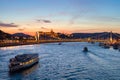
(44, 21)
(74, 18)
(106, 18)
(21, 29)
(44, 28)
(8, 24)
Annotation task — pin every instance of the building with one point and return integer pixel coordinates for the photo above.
(46, 35)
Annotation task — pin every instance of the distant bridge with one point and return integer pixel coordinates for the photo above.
(89, 39)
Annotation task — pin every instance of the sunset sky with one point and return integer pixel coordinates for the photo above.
(64, 16)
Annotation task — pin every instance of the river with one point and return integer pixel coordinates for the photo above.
(64, 62)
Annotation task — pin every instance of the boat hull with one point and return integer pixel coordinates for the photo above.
(23, 67)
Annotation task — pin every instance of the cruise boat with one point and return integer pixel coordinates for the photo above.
(23, 61)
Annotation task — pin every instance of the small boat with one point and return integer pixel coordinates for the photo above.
(115, 46)
(92, 42)
(101, 44)
(23, 61)
(85, 49)
(59, 43)
(106, 46)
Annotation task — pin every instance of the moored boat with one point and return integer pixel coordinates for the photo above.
(23, 61)
(115, 46)
(92, 42)
(101, 44)
(106, 46)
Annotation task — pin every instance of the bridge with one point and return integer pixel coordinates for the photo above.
(109, 40)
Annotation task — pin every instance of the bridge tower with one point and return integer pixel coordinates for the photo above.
(89, 39)
(111, 38)
(37, 36)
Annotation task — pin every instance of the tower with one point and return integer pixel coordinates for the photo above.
(37, 36)
(111, 39)
(52, 32)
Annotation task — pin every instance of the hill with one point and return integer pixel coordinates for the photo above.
(21, 35)
(102, 35)
(4, 35)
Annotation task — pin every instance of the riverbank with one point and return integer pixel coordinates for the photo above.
(30, 42)
(37, 42)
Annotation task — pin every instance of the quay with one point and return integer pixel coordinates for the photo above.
(30, 42)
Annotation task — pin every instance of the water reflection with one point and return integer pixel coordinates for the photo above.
(6, 48)
(26, 71)
(16, 47)
(30, 70)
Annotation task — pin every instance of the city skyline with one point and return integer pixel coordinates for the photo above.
(64, 16)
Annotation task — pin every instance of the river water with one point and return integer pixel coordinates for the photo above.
(64, 62)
